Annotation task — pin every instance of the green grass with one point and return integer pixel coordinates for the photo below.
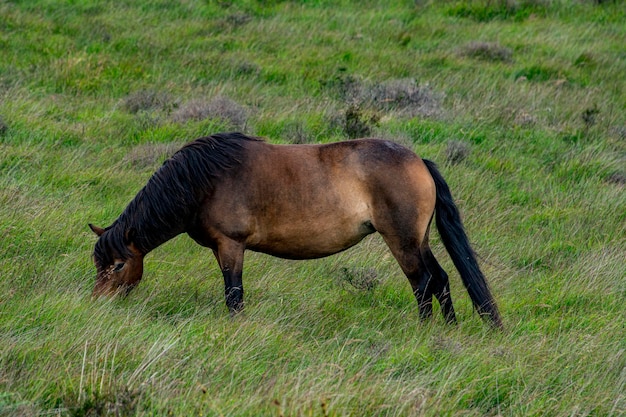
(93, 97)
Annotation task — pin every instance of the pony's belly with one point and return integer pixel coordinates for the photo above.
(311, 244)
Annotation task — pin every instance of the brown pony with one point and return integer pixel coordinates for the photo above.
(230, 192)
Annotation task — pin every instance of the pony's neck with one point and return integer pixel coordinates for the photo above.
(146, 241)
(165, 206)
(147, 228)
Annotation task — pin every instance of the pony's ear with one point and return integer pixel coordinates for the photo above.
(97, 230)
(129, 235)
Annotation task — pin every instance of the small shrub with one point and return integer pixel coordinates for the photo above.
(457, 151)
(148, 100)
(404, 95)
(145, 120)
(122, 403)
(524, 119)
(487, 51)
(357, 123)
(238, 19)
(617, 178)
(228, 110)
(4, 128)
(192, 110)
(221, 108)
(619, 132)
(364, 279)
(246, 68)
(589, 116)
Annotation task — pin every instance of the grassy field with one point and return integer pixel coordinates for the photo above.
(522, 103)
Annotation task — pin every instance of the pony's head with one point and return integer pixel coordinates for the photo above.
(119, 263)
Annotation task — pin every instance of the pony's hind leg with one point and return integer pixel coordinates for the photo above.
(408, 254)
(426, 276)
(402, 216)
(440, 285)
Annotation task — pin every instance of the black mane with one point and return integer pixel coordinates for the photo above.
(161, 209)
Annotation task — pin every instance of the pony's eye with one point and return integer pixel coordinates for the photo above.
(119, 266)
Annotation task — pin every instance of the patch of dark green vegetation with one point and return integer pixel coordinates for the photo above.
(488, 10)
(4, 128)
(123, 403)
(539, 73)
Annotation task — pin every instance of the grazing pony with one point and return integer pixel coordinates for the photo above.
(230, 192)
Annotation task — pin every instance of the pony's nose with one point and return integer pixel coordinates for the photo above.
(102, 290)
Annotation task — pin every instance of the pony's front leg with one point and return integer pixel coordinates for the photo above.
(229, 255)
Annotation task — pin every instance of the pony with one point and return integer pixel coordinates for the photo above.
(231, 192)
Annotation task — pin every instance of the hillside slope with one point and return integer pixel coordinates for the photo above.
(521, 103)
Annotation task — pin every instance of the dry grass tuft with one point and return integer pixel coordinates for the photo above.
(149, 155)
(364, 279)
(487, 51)
(354, 121)
(220, 107)
(618, 178)
(148, 100)
(246, 68)
(524, 119)
(238, 19)
(403, 95)
(619, 132)
(457, 151)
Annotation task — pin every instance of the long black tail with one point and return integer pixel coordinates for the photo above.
(457, 244)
